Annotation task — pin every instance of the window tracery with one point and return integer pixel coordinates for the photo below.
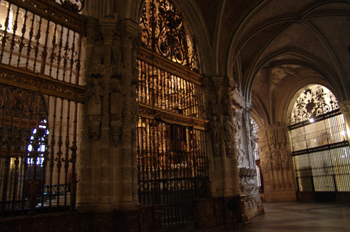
(314, 101)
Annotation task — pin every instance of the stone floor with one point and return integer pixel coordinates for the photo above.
(301, 217)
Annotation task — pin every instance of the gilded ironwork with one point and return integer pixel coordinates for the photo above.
(160, 89)
(41, 83)
(172, 168)
(40, 50)
(172, 158)
(163, 31)
(55, 12)
(313, 102)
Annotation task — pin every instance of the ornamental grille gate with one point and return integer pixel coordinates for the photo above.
(40, 94)
(320, 145)
(171, 140)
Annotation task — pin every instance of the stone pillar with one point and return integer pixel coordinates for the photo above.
(108, 169)
(276, 163)
(85, 162)
(225, 180)
(130, 32)
(345, 109)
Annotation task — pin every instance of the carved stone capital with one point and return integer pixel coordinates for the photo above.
(130, 31)
(108, 28)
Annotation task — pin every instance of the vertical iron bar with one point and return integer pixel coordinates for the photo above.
(66, 160)
(59, 154)
(13, 36)
(52, 159)
(25, 169)
(4, 38)
(44, 52)
(72, 58)
(54, 45)
(46, 152)
(29, 47)
(36, 47)
(144, 161)
(21, 44)
(73, 159)
(60, 44)
(78, 61)
(65, 56)
(34, 155)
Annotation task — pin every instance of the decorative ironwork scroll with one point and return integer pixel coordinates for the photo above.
(163, 31)
(314, 101)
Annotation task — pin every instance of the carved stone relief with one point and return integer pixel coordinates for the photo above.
(275, 158)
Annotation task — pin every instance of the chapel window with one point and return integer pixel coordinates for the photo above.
(319, 142)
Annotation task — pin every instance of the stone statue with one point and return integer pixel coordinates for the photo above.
(94, 111)
(216, 135)
(228, 132)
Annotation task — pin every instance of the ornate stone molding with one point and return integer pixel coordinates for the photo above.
(40, 83)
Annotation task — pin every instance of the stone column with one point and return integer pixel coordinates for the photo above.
(130, 32)
(225, 182)
(108, 168)
(345, 109)
(84, 158)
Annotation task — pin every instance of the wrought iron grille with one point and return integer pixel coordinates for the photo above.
(172, 160)
(324, 171)
(172, 168)
(320, 144)
(39, 97)
(314, 101)
(163, 31)
(319, 134)
(166, 91)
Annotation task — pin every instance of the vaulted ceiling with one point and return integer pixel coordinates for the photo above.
(272, 48)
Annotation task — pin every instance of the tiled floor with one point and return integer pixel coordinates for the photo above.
(301, 217)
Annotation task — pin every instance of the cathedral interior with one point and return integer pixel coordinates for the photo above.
(166, 115)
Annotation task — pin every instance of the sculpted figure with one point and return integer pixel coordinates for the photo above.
(95, 94)
(228, 136)
(215, 132)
